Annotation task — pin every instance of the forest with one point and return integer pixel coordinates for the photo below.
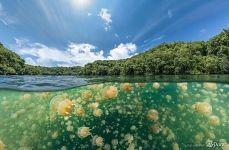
(200, 57)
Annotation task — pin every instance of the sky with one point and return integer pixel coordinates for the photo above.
(77, 32)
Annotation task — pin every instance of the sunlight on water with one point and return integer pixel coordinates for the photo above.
(141, 116)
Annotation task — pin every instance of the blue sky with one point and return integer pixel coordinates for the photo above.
(75, 32)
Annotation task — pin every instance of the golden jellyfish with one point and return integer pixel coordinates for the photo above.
(155, 128)
(26, 97)
(168, 97)
(94, 105)
(214, 120)
(2, 145)
(152, 114)
(126, 87)
(156, 85)
(141, 84)
(86, 94)
(65, 107)
(111, 92)
(97, 112)
(183, 86)
(98, 141)
(210, 86)
(203, 108)
(80, 111)
(175, 146)
(83, 132)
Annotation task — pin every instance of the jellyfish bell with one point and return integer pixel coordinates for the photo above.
(126, 87)
(110, 92)
(65, 107)
(156, 85)
(94, 105)
(2, 145)
(83, 132)
(97, 112)
(175, 146)
(153, 115)
(141, 84)
(183, 86)
(86, 95)
(168, 97)
(210, 86)
(203, 108)
(80, 111)
(98, 141)
(155, 128)
(214, 120)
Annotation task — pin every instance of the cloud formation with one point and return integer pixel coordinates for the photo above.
(106, 17)
(74, 55)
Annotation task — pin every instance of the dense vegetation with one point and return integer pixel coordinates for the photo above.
(211, 57)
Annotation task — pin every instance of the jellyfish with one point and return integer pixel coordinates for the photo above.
(141, 84)
(86, 94)
(80, 111)
(210, 86)
(203, 108)
(155, 128)
(114, 142)
(168, 97)
(26, 97)
(214, 120)
(107, 147)
(183, 86)
(65, 107)
(94, 105)
(156, 85)
(2, 145)
(83, 132)
(152, 115)
(129, 138)
(97, 112)
(175, 146)
(111, 92)
(98, 141)
(126, 87)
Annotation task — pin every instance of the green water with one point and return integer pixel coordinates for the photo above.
(163, 115)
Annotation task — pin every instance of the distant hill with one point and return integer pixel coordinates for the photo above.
(211, 57)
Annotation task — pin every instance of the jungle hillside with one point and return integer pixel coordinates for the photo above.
(199, 57)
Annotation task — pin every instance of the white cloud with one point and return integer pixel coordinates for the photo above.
(170, 13)
(74, 55)
(106, 17)
(203, 31)
(122, 51)
(89, 14)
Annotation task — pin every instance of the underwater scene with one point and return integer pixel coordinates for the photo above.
(117, 116)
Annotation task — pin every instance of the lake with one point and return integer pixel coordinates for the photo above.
(133, 113)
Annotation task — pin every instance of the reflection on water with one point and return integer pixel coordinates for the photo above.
(54, 83)
(150, 115)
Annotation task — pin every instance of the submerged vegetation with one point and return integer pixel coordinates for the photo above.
(110, 116)
(211, 57)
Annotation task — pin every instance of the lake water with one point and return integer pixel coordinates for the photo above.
(133, 113)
